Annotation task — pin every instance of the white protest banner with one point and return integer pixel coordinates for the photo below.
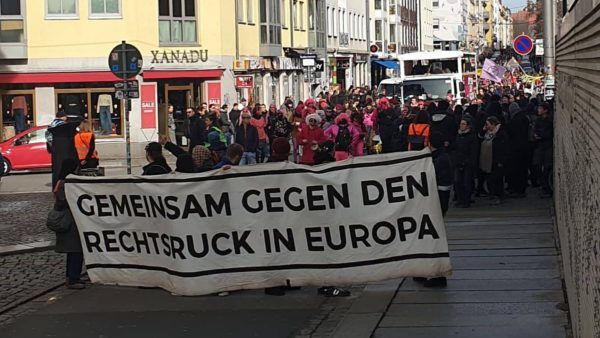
(365, 219)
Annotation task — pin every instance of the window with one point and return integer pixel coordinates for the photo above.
(240, 10)
(436, 23)
(12, 27)
(270, 25)
(378, 4)
(392, 33)
(392, 7)
(177, 21)
(105, 8)
(301, 15)
(249, 12)
(317, 24)
(378, 33)
(61, 8)
(436, 4)
(283, 15)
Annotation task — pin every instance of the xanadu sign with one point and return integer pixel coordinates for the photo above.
(179, 56)
(364, 219)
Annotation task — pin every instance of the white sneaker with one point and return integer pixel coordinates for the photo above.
(223, 294)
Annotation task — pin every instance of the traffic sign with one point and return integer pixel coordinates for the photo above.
(130, 84)
(125, 61)
(319, 66)
(523, 45)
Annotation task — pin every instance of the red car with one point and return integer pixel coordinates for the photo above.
(26, 150)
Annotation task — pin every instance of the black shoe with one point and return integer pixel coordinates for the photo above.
(336, 292)
(439, 282)
(420, 279)
(324, 289)
(275, 291)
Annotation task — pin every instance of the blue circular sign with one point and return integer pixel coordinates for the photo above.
(523, 45)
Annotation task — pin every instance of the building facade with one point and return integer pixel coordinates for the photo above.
(425, 25)
(576, 165)
(347, 46)
(193, 52)
(450, 24)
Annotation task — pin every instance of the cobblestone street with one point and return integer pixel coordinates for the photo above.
(27, 275)
(23, 218)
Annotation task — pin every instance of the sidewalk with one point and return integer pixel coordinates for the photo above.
(506, 282)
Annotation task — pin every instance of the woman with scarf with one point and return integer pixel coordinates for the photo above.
(493, 157)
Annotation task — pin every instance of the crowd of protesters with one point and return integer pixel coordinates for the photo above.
(499, 142)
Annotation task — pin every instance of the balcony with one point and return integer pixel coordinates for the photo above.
(12, 39)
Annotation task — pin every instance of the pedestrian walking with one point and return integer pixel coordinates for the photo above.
(518, 162)
(543, 154)
(466, 152)
(344, 136)
(310, 135)
(419, 131)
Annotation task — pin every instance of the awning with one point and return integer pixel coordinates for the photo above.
(80, 77)
(387, 64)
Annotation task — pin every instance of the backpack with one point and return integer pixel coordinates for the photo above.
(343, 140)
(417, 142)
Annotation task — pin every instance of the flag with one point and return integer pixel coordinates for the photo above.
(492, 71)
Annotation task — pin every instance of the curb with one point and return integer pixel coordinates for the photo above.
(26, 248)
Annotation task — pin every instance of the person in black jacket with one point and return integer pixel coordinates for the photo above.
(247, 136)
(388, 125)
(493, 157)
(543, 131)
(443, 122)
(518, 162)
(234, 117)
(466, 150)
(158, 164)
(195, 129)
(443, 169)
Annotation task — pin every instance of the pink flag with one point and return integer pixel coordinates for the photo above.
(492, 71)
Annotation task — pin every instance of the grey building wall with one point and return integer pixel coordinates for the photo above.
(577, 161)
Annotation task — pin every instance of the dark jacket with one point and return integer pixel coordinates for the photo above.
(466, 150)
(389, 130)
(63, 146)
(518, 132)
(196, 131)
(68, 241)
(443, 167)
(247, 136)
(158, 167)
(444, 123)
(544, 131)
(234, 117)
(500, 147)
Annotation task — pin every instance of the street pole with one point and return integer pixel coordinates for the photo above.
(549, 43)
(126, 105)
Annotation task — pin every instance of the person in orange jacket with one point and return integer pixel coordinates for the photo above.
(85, 144)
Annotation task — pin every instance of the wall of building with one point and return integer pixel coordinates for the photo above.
(577, 163)
(426, 22)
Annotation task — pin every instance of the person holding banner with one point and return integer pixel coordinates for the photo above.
(157, 163)
(68, 242)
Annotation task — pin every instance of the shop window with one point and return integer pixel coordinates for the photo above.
(17, 113)
(105, 8)
(177, 21)
(97, 106)
(61, 8)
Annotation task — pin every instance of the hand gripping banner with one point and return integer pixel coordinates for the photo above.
(365, 219)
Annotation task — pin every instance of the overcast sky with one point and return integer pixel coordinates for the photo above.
(514, 5)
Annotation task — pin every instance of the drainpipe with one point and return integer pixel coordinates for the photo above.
(291, 24)
(368, 32)
(237, 33)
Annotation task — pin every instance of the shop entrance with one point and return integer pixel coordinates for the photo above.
(180, 97)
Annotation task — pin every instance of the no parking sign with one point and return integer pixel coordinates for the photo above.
(523, 45)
